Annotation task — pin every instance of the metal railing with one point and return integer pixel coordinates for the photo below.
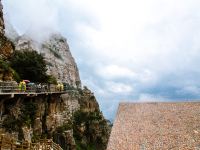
(13, 87)
(46, 144)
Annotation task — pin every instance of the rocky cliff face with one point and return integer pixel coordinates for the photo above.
(91, 129)
(1, 19)
(6, 50)
(60, 62)
(72, 120)
(6, 47)
(24, 42)
(56, 52)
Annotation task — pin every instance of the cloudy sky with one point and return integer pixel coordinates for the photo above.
(126, 50)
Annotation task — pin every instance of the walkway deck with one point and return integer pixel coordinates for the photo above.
(156, 126)
(11, 89)
(30, 94)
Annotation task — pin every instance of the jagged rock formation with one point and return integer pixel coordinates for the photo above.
(24, 42)
(6, 47)
(56, 52)
(60, 62)
(73, 120)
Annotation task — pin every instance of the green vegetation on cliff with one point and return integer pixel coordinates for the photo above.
(6, 72)
(90, 130)
(29, 65)
(25, 118)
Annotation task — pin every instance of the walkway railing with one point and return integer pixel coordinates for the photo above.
(46, 144)
(13, 87)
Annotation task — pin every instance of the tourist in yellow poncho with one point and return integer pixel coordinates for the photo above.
(61, 87)
(58, 87)
(22, 86)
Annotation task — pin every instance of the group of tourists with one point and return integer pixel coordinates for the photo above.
(60, 87)
(25, 86)
(22, 86)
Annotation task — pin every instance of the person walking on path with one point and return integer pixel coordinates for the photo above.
(61, 87)
(20, 86)
(23, 87)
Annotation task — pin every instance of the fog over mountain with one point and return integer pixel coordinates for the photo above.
(126, 50)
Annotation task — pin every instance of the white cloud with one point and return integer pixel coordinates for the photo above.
(119, 88)
(114, 71)
(190, 89)
(147, 77)
(38, 18)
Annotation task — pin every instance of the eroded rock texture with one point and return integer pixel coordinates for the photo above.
(6, 50)
(1, 19)
(6, 47)
(72, 120)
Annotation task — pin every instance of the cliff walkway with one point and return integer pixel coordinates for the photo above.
(46, 144)
(12, 89)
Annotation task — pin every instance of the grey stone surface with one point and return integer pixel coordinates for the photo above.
(156, 126)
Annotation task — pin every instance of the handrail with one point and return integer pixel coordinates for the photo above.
(11, 87)
(45, 144)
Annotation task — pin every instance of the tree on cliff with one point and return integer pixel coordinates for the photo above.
(30, 65)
